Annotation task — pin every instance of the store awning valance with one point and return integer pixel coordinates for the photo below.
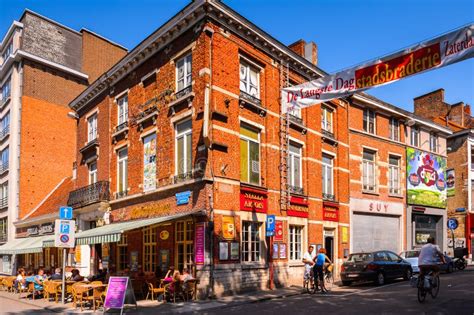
(112, 233)
(23, 245)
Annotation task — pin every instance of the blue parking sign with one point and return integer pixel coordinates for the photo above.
(65, 213)
(270, 223)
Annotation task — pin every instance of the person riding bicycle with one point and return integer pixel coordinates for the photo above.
(318, 269)
(308, 259)
(427, 259)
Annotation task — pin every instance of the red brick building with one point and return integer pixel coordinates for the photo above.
(186, 134)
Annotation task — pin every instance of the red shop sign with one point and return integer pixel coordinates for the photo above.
(298, 207)
(278, 231)
(330, 214)
(253, 200)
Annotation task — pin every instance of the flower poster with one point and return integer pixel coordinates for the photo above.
(149, 163)
(426, 179)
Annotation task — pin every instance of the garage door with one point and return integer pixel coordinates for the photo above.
(372, 232)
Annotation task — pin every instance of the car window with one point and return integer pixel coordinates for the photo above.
(354, 258)
(393, 257)
(411, 254)
(380, 256)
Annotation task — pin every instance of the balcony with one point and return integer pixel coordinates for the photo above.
(328, 136)
(183, 177)
(253, 103)
(184, 96)
(90, 151)
(4, 133)
(87, 195)
(147, 115)
(296, 190)
(3, 202)
(297, 123)
(3, 168)
(120, 131)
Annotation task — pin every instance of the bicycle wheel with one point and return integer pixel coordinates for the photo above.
(435, 287)
(421, 295)
(329, 280)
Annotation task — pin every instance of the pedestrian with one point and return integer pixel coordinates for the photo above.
(308, 260)
(318, 269)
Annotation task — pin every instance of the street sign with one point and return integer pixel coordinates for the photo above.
(452, 223)
(270, 225)
(65, 213)
(64, 234)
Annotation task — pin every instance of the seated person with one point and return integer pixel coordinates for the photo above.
(76, 275)
(21, 279)
(185, 277)
(57, 274)
(174, 281)
(38, 280)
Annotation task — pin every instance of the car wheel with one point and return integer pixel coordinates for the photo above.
(346, 283)
(450, 268)
(408, 273)
(380, 279)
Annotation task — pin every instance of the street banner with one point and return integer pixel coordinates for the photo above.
(441, 51)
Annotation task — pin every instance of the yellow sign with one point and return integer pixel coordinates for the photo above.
(228, 227)
(149, 211)
(164, 235)
(77, 255)
(345, 234)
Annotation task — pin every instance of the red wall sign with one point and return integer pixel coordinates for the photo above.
(253, 200)
(278, 231)
(330, 214)
(298, 207)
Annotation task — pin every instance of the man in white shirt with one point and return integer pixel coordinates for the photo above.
(427, 260)
(308, 259)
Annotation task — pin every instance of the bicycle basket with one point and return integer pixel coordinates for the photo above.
(330, 268)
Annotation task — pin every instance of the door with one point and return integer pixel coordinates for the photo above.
(375, 233)
(396, 267)
(329, 246)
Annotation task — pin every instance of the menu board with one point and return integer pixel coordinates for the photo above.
(199, 243)
(115, 296)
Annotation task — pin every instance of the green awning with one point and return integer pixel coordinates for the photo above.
(23, 245)
(112, 233)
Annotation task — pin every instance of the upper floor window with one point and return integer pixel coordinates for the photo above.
(92, 173)
(92, 127)
(249, 79)
(415, 136)
(433, 142)
(122, 109)
(4, 190)
(184, 147)
(369, 121)
(183, 73)
(368, 171)
(394, 129)
(326, 119)
(5, 122)
(249, 155)
(5, 156)
(7, 52)
(122, 171)
(394, 175)
(295, 166)
(6, 89)
(3, 229)
(328, 176)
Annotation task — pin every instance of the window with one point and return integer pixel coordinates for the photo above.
(122, 171)
(326, 119)
(122, 253)
(249, 155)
(6, 89)
(394, 129)
(394, 175)
(251, 241)
(249, 79)
(415, 136)
(92, 127)
(183, 73)
(184, 244)
(295, 166)
(184, 147)
(122, 109)
(8, 51)
(328, 177)
(393, 257)
(295, 235)
(92, 173)
(368, 171)
(5, 122)
(149, 249)
(3, 229)
(5, 155)
(433, 142)
(4, 195)
(369, 121)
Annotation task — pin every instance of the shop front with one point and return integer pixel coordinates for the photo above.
(423, 222)
(376, 225)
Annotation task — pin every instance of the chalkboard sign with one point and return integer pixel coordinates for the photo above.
(119, 293)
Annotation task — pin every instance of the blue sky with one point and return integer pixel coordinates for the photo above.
(346, 31)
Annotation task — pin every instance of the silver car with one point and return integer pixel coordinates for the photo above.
(412, 257)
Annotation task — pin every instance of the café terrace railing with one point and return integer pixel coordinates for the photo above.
(90, 194)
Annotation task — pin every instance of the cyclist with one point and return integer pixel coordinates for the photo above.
(427, 259)
(318, 269)
(308, 259)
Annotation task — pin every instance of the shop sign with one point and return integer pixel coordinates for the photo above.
(33, 230)
(298, 207)
(253, 200)
(345, 234)
(278, 231)
(460, 209)
(330, 214)
(182, 198)
(199, 243)
(164, 235)
(46, 228)
(376, 207)
(450, 183)
(228, 227)
(150, 211)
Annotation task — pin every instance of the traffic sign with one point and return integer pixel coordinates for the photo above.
(270, 224)
(64, 234)
(452, 223)
(65, 213)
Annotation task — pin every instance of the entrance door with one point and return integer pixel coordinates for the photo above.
(329, 244)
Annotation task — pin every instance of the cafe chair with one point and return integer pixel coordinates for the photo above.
(174, 290)
(9, 284)
(20, 289)
(152, 291)
(31, 289)
(96, 298)
(51, 290)
(80, 295)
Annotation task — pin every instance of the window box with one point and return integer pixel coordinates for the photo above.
(296, 190)
(4, 133)
(253, 103)
(89, 146)
(195, 174)
(3, 168)
(328, 137)
(121, 194)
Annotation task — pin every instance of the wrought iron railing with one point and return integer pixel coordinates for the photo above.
(296, 119)
(329, 197)
(3, 202)
(122, 126)
(4, 132)
(183, 92)
(327, 134)
(3, 167)
(247, 97)
(90, 194)
(121, 194)
(296, 190)
(187, 176)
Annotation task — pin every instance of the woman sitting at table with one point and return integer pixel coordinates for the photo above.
(76, 275)
(21, 279)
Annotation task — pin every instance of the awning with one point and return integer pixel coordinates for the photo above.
(112, 233)
(23, 245)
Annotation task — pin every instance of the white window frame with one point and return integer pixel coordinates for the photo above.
(122, 163)
(394, 129)
(183, 134)
(7, 52)
(295, 247)
(7, 82)
(369, 115)
(92, 173)
(365, 172)
(394, 185)
(246, 81)
(246, 237)
(122, 109)
(326, 168)
(434, 146)
(259, 152)
(295, 182)
(414, 130)
(186, 75)
(325, 124)
(92, 127)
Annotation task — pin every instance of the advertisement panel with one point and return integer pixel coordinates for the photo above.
(450, 184)
(149, 162)
(426, 182)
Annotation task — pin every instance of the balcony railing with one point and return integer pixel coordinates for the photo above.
(296, 190)
(4, 101)
(187, 176)
(3, 202)
(183, 92)
(121, 194)
(3, 167)
(87, 195)
(4, 132)
(327, 133)
(121, 127)
(254, 103)
(3, 238)
(329, 197)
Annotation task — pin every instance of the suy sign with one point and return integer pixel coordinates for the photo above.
(441, 51)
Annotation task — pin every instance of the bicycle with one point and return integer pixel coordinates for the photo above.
(308, 282)
(428, 284)
(329, 277)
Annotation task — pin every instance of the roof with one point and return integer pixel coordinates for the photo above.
(451, 125)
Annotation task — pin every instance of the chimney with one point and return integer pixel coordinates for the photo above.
(307, 50)
(431, 105)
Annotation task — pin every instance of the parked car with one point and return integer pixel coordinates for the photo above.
(376, 266)
(412, 257)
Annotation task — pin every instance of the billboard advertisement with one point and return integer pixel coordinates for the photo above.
(426, 179)
(450, 182)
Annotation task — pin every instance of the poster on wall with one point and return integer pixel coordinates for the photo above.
(275, 251)
(228, 227)
(282, 251)
(450, 183)
(426, 182)
(149, 162)
(223, 251)
(345, 234)
(199, 241)
(134, 261)
(234, 250)
(278, 231)
(164, 259)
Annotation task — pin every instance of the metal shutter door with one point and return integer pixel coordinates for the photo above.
(372, 233)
